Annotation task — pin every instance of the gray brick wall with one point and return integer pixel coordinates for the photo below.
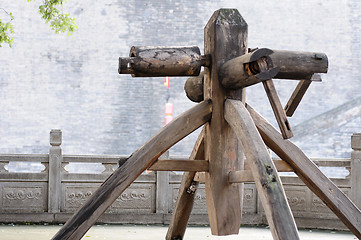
(55, 81)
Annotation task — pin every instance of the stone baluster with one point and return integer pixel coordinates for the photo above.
(163, 194)
(356, 169)
(55, 161)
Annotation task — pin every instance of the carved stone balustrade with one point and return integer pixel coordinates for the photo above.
(65, 182)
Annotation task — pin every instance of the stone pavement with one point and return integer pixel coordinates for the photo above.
(146, 232)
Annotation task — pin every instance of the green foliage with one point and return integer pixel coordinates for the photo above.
(6, 30)
(59, 22)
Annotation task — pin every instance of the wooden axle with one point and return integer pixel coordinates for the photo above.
(299, 65)
(293, 65)
(162, 61)
(246, 70)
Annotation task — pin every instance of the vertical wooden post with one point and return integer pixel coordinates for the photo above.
(356, 169)
(225, 37)
(55, 160)
(162, 188)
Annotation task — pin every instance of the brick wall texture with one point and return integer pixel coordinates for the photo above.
(71, 83)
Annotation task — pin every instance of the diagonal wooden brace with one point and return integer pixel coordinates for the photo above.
(298, 94)
(185, 200)
(268, 183)
(137, 163)
(310, 174)
(278, 111)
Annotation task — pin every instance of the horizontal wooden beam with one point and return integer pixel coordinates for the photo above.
(240, 176)
(282, 166)
(162, 61)
(246, 174)
(292, 66)
(180, 165)
(298, 65)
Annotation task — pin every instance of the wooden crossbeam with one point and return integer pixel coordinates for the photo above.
(246, 174)
(299, 65)
(310, 174)
(180, 165)
(282, 166)
(240, 176)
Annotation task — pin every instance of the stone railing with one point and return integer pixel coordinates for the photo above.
(63, 183)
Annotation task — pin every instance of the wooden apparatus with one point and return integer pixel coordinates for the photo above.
(232, 129)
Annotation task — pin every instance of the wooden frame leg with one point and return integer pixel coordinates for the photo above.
(310, 174)
(268, 183)
(138, 162)
(184, 205)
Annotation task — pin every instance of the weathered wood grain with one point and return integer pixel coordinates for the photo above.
(268, 183)
(194, 88)
(246, 174)
(298, 65)
(161, 61)
(138, 162)
(240, 176)
(277, 108)
(310, 174)
(244, 71)
(306, 76)
(225, 37)
(180, 165)
(185, 200)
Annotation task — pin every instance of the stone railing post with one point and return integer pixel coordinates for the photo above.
(162, 193)
(55, 160)
(356, 169)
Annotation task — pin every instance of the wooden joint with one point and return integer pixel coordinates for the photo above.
(248, 69)
(247, 176)
(206, 60)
